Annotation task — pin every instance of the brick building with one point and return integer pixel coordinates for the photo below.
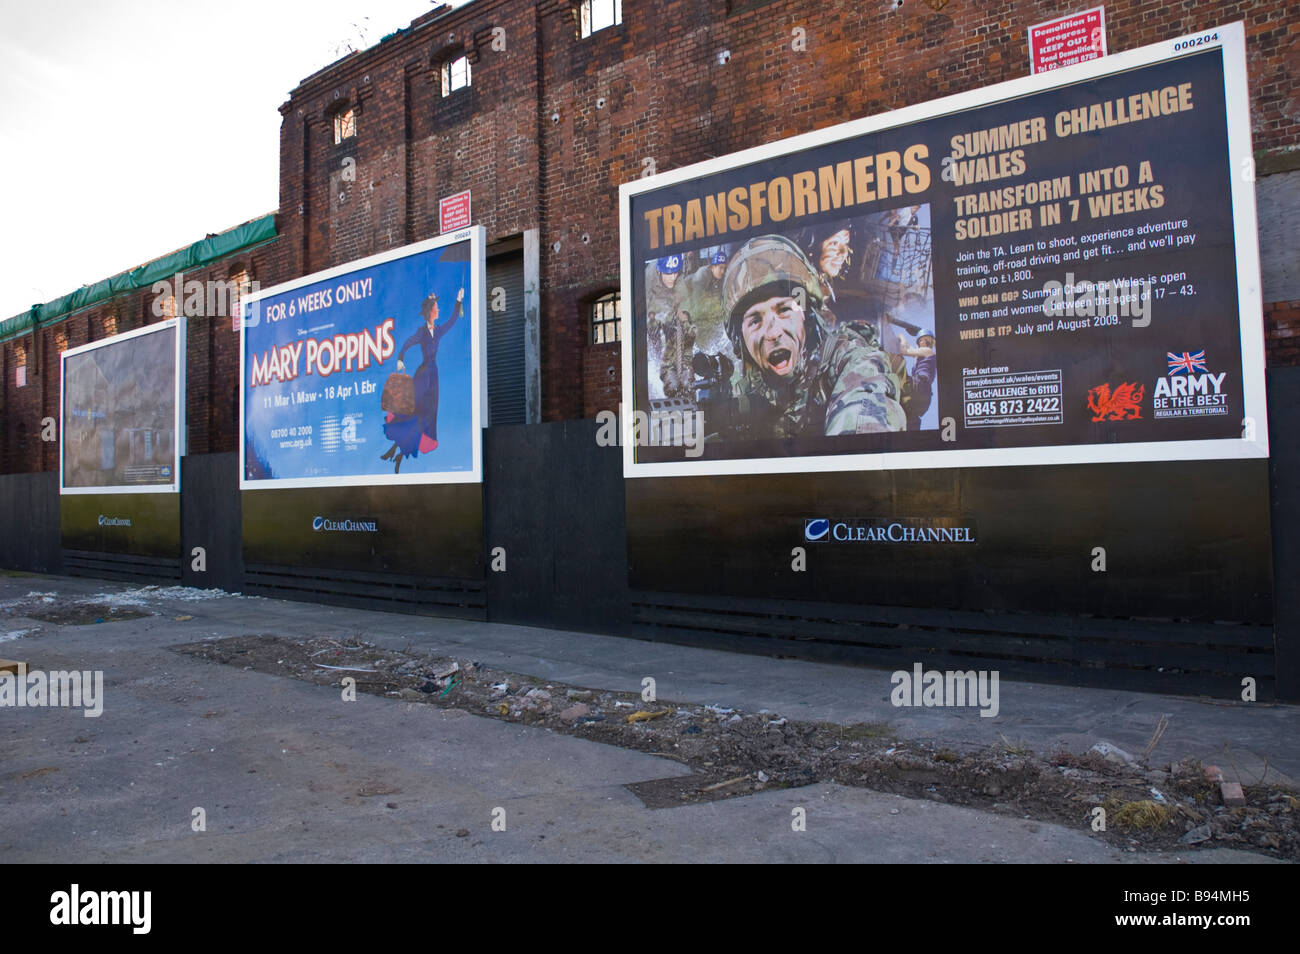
(542, 109)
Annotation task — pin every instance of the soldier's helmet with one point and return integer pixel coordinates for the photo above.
(669, 265)
(765, 267)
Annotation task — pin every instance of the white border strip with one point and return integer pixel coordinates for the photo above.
(1232, 41)
(476, 307)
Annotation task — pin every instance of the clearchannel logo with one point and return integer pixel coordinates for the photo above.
(824, 530)
(344, 526)
(107, 521)
(816, 530)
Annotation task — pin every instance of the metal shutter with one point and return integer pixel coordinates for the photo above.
(505, 341)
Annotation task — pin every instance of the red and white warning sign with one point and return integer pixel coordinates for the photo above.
(1067, 40)
(453, 212)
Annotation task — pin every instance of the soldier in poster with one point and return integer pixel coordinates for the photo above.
(799, 376)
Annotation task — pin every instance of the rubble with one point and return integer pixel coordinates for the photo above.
(734, 753)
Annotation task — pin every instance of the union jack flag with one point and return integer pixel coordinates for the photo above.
(1192, 362)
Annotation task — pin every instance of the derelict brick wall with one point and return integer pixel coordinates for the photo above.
(1282, 333)
(552, 124)
(601, 373)
(380, 189)
(670, 95)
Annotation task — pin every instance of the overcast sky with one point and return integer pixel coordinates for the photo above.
(129, 128)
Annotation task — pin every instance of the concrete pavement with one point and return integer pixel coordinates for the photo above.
(285, 771)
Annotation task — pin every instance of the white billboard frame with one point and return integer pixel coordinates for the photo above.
(178, 416)
(1231, 40)
(476, 308)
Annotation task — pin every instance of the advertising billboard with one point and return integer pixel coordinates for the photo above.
(369, 373)
(122, 413)
(1029, 273)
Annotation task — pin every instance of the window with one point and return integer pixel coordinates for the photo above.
(20, 367)
(606, 326)
(110, 326)
(345, 125)
(60, 341)
(455, 75)
(595, 15)
(239, 284)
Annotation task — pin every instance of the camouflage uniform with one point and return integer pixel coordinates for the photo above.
(845, 382)
(844, 386)
(675, 363)
(661, 304)
(660, 300)
(703, 299)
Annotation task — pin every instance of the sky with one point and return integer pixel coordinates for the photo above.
(131, 128)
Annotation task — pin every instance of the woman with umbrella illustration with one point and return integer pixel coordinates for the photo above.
(413, 418)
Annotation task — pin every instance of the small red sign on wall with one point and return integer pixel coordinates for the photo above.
(1067, 40)
(453, 212)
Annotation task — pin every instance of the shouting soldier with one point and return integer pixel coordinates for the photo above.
(799, 377)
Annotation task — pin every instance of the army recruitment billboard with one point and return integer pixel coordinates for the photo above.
(122, 413)
(367, 374)
(1057, 269)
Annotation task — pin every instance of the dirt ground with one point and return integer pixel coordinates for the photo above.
(731, 752)
(85, 614)
(48, 608)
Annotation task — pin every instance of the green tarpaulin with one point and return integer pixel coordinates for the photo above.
(200, 253)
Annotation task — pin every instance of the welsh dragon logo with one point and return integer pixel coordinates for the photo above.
(1122, 405)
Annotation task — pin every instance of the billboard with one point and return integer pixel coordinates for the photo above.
(369, 373)
(1030, 273)
(122, 413)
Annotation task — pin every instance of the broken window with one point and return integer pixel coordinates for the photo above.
(345, 125)
(594, 15)
(455, 75)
